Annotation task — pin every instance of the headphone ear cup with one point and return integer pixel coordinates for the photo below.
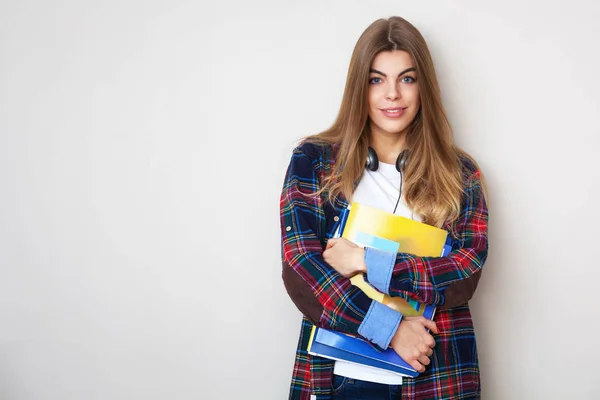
(372, 161)
(402, 160)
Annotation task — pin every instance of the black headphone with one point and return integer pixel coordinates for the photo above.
(373, 163)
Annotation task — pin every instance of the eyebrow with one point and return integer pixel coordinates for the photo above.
(373, 70)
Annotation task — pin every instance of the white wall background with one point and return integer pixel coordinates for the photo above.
(142, 150)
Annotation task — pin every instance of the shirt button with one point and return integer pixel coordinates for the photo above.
(288, 228)
(336, 218)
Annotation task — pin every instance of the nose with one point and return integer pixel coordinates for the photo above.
(392, 93)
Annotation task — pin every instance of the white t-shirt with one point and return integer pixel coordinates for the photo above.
(379, 189)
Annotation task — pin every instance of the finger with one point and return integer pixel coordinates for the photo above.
(424, 360)
(429, 340)
(417, 366)
(429, 324)
(331, 242)
(429, 352)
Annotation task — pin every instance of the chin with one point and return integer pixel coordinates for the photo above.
(394, 129)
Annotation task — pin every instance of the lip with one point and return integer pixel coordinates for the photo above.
(393, 112)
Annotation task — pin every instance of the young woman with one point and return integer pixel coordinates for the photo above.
(390, 147)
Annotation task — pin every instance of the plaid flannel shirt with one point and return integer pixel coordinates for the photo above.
(329, 300)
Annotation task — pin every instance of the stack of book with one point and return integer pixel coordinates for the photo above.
(370, 227)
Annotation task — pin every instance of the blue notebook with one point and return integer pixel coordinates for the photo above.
(339, 346)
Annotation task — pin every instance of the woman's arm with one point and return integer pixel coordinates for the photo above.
(310, 281)
(443, 281)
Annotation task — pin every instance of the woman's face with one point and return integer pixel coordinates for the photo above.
(393, 93)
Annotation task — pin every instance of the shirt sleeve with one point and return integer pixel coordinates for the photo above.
(344, 306)
(442, 281)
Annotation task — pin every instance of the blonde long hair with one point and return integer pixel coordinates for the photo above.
(433, 178)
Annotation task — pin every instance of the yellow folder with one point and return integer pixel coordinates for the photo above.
(412, 236)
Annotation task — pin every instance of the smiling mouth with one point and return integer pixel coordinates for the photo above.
(393, 110)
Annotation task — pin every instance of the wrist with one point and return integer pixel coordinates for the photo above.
(361, 266)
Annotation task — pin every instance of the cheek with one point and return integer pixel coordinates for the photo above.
(411, 93)
(372, 97)
(372, 107)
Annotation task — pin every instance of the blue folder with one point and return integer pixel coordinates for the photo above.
(340, 346)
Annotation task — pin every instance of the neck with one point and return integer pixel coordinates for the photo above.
(387, 146)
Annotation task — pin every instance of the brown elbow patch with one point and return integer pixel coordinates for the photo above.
(461, 291)
(301, 294)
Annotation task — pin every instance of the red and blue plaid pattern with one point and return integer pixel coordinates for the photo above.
(307, 222)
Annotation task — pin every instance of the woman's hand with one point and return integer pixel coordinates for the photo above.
(413, 343)
(345, 257)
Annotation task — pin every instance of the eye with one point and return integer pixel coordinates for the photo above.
(408, 79)
(374, 81)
